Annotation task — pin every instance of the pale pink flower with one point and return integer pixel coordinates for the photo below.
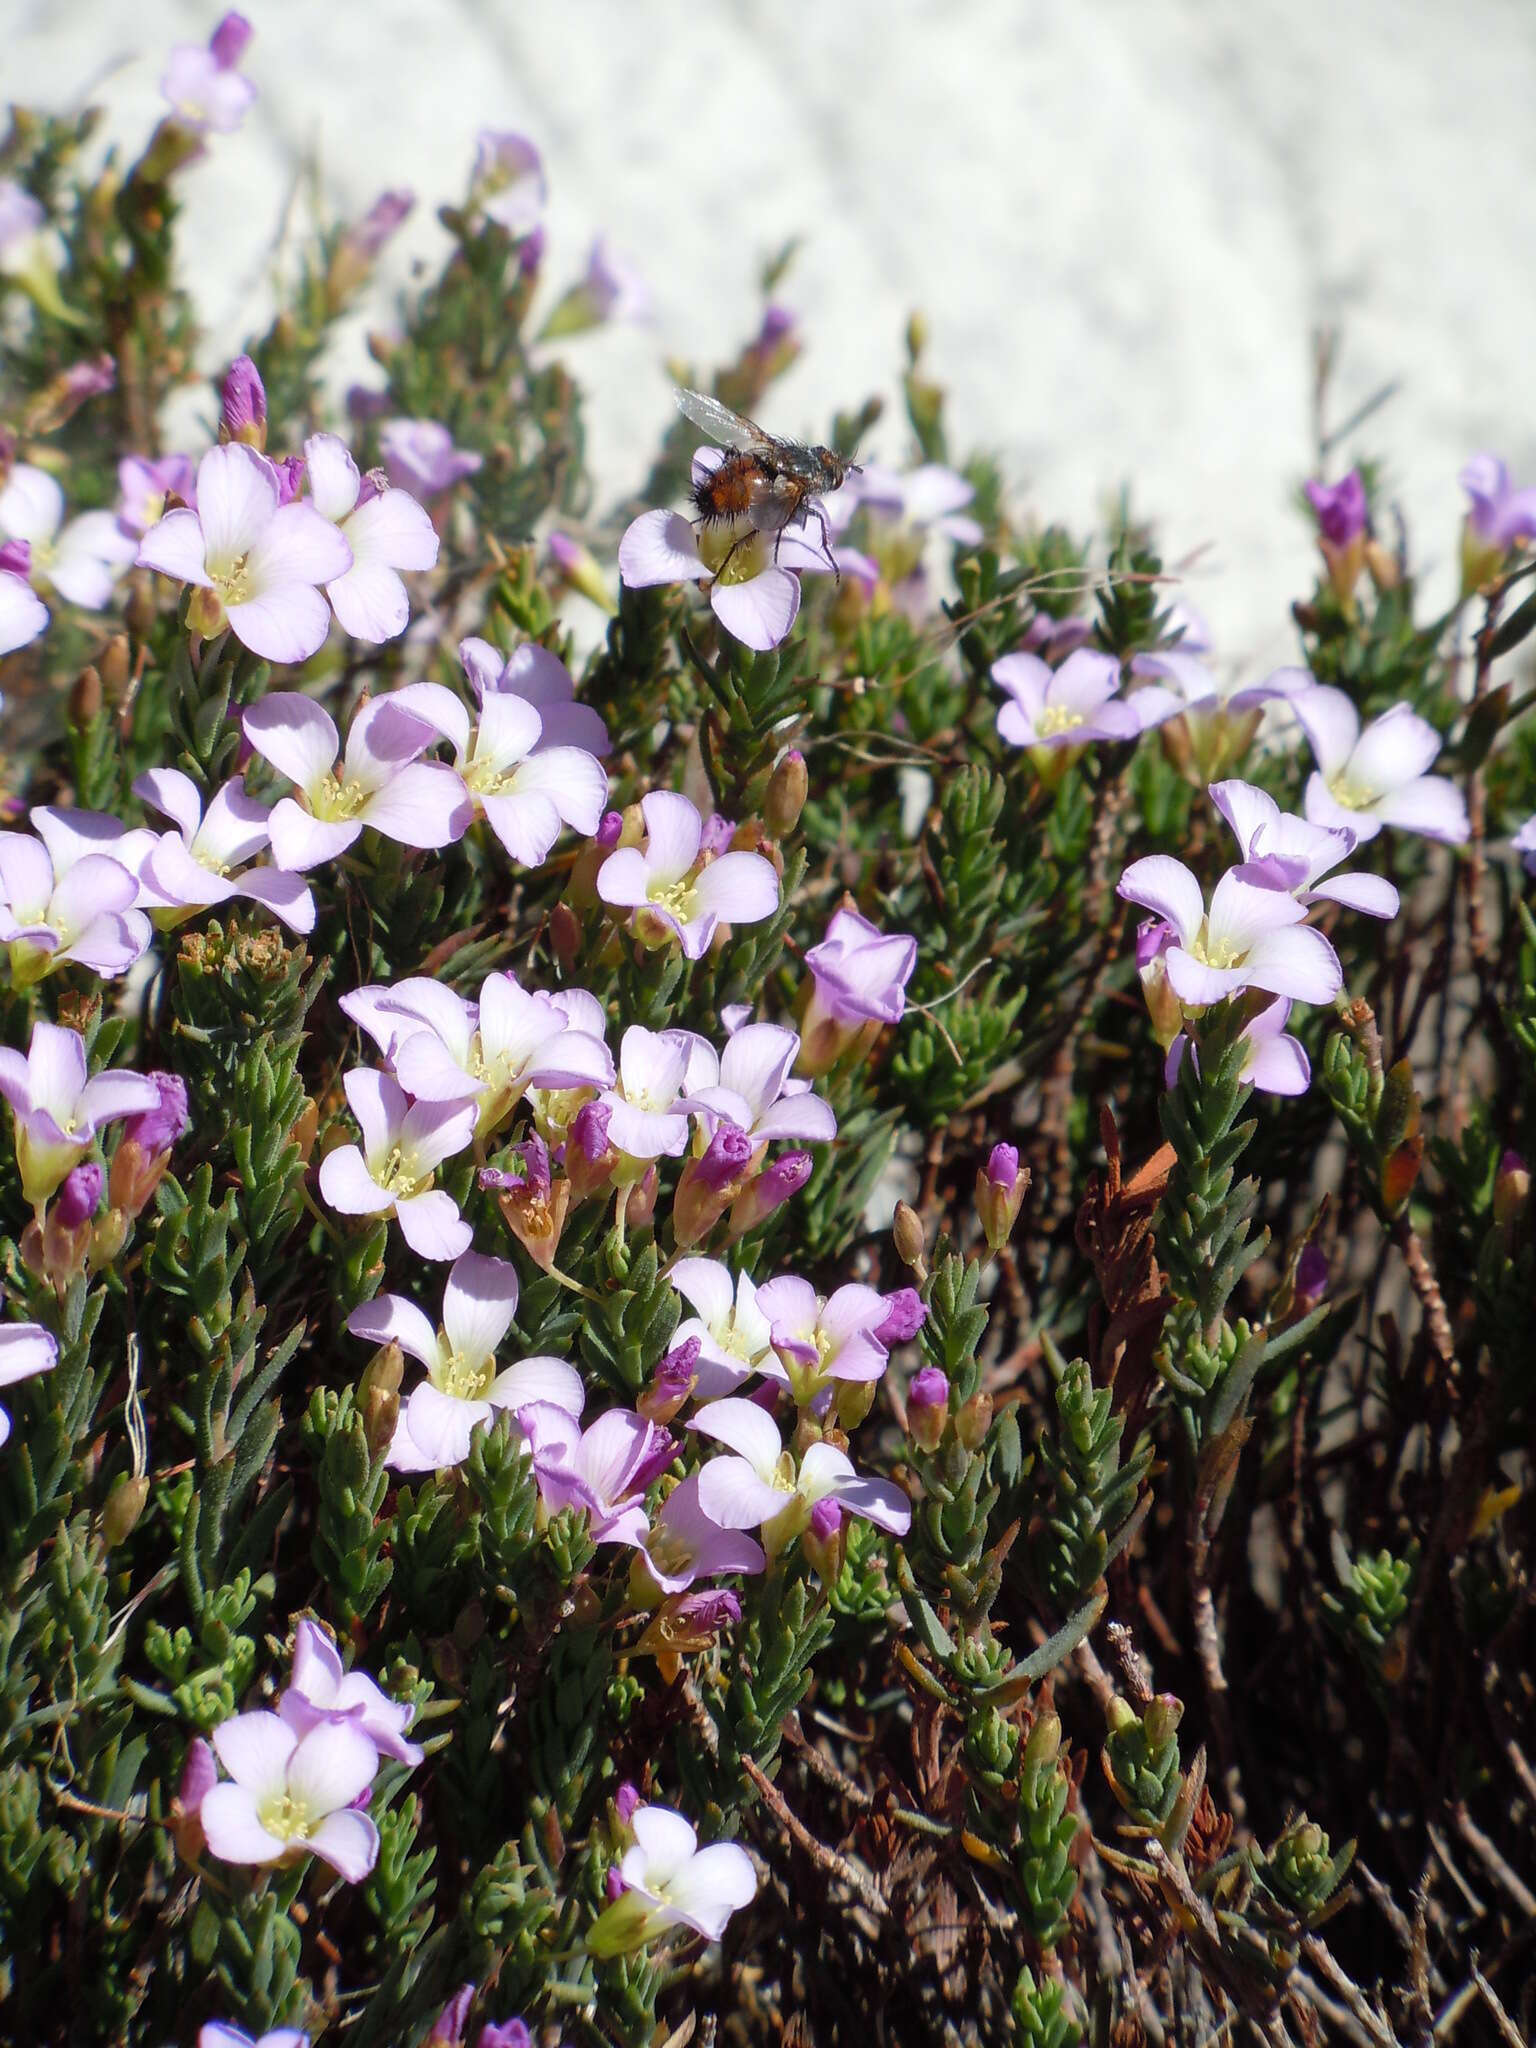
(385, 530)
(752, 1088)
(86, 912)
(289, 1793)
(320, 1689)
(420, 455)
(82, 560)
(509, 185)
(734, 1334)
(674, 889)
(1285, 852)
(605, 1468)
(258, 559)
(759, 1486)
(23, 615)
(1251, 937)
(1075, 704)
(391, 1173)
(192, 867)
(1273, 1062)
(669, 1881)
(143, 485)
(381, 782)
(684, 1545)
(645, 1118)
(26, 1349)
(463, 1386)
(1366, 780)
(542, 680)
(59, 1107)
(202, 84)
(526, 791)
(820, 1340)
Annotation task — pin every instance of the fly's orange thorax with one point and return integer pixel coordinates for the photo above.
(728, 490)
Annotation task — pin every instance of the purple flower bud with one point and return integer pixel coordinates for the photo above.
(589, 1132)
(613, 1884)
(199, 1775)
(1311, 1282)
(245, 402)
(928, 1407)
(658, 1454)
(383, 219)
(906, 1313)
(679, 1366)
(717, 835)
(448, 2028)
(1511, 1189)
(530, 253)
(290, 479)
(89, 378)
(1153, 938)
(80, 1197)
(609, 826)
(826, 1520)
(726, 1158)
(510, 2034)
(1003, 1166)
(156, 1130)
(625, 1800)
(498, 1180)
(772, 1188)
(778, 325)
(568, 555)
(229, 41)
(16, 556)
(1340, 509)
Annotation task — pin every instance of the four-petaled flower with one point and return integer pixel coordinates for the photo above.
(526, 790)
(734, 1334)
(605, 1468)
(320, 1689)
(671, 892)
(255, 560)
(1074, 704)
(59, 1108)
(669, 1881)
(463, 1386)
(381, 782)
(1252, 936)
(753, 589)
(289, 1793)
(820, 1340)
(1365, 780)
(420, 455)
(52, 913)
(759, 1486)
(390, 1174)
(193, 867)
(82, 560)
(385, 530)
(654, 1070)
(752, 1088)
(684, 1544)
(1282, 851)
(861, 973)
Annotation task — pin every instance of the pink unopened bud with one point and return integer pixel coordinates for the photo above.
(80, 1196)
(508, 2034)
(709, 1184)
(906, 1314)
(772, 1188)
(244, 416)
(613, 1884)
(640, 1206)
(589, 1157)
(974, 1420)
(625, 1800)
(144, 1152)
(1311, 1282)
(788, 787)
(671, 1383)
(199, 1775)
(824, 1541)
(1511, 1189)
(1000, 1190)
(928, 1407)
(228, 43)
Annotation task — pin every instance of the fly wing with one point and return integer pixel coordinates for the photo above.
(725, 428)
(775, 502)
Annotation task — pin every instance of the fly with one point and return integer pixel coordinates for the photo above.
(765, 481)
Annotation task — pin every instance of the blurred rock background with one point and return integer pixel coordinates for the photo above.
(1125, 220)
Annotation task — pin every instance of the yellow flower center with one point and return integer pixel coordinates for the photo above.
(284, 1816)
(1219, 955)
(486, 779)
(677, 898)
(1057, 718)
(1354, 796)
(233, 583)
(733, 557)
(463, 1379)
(337, 802)
(400, 1177)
